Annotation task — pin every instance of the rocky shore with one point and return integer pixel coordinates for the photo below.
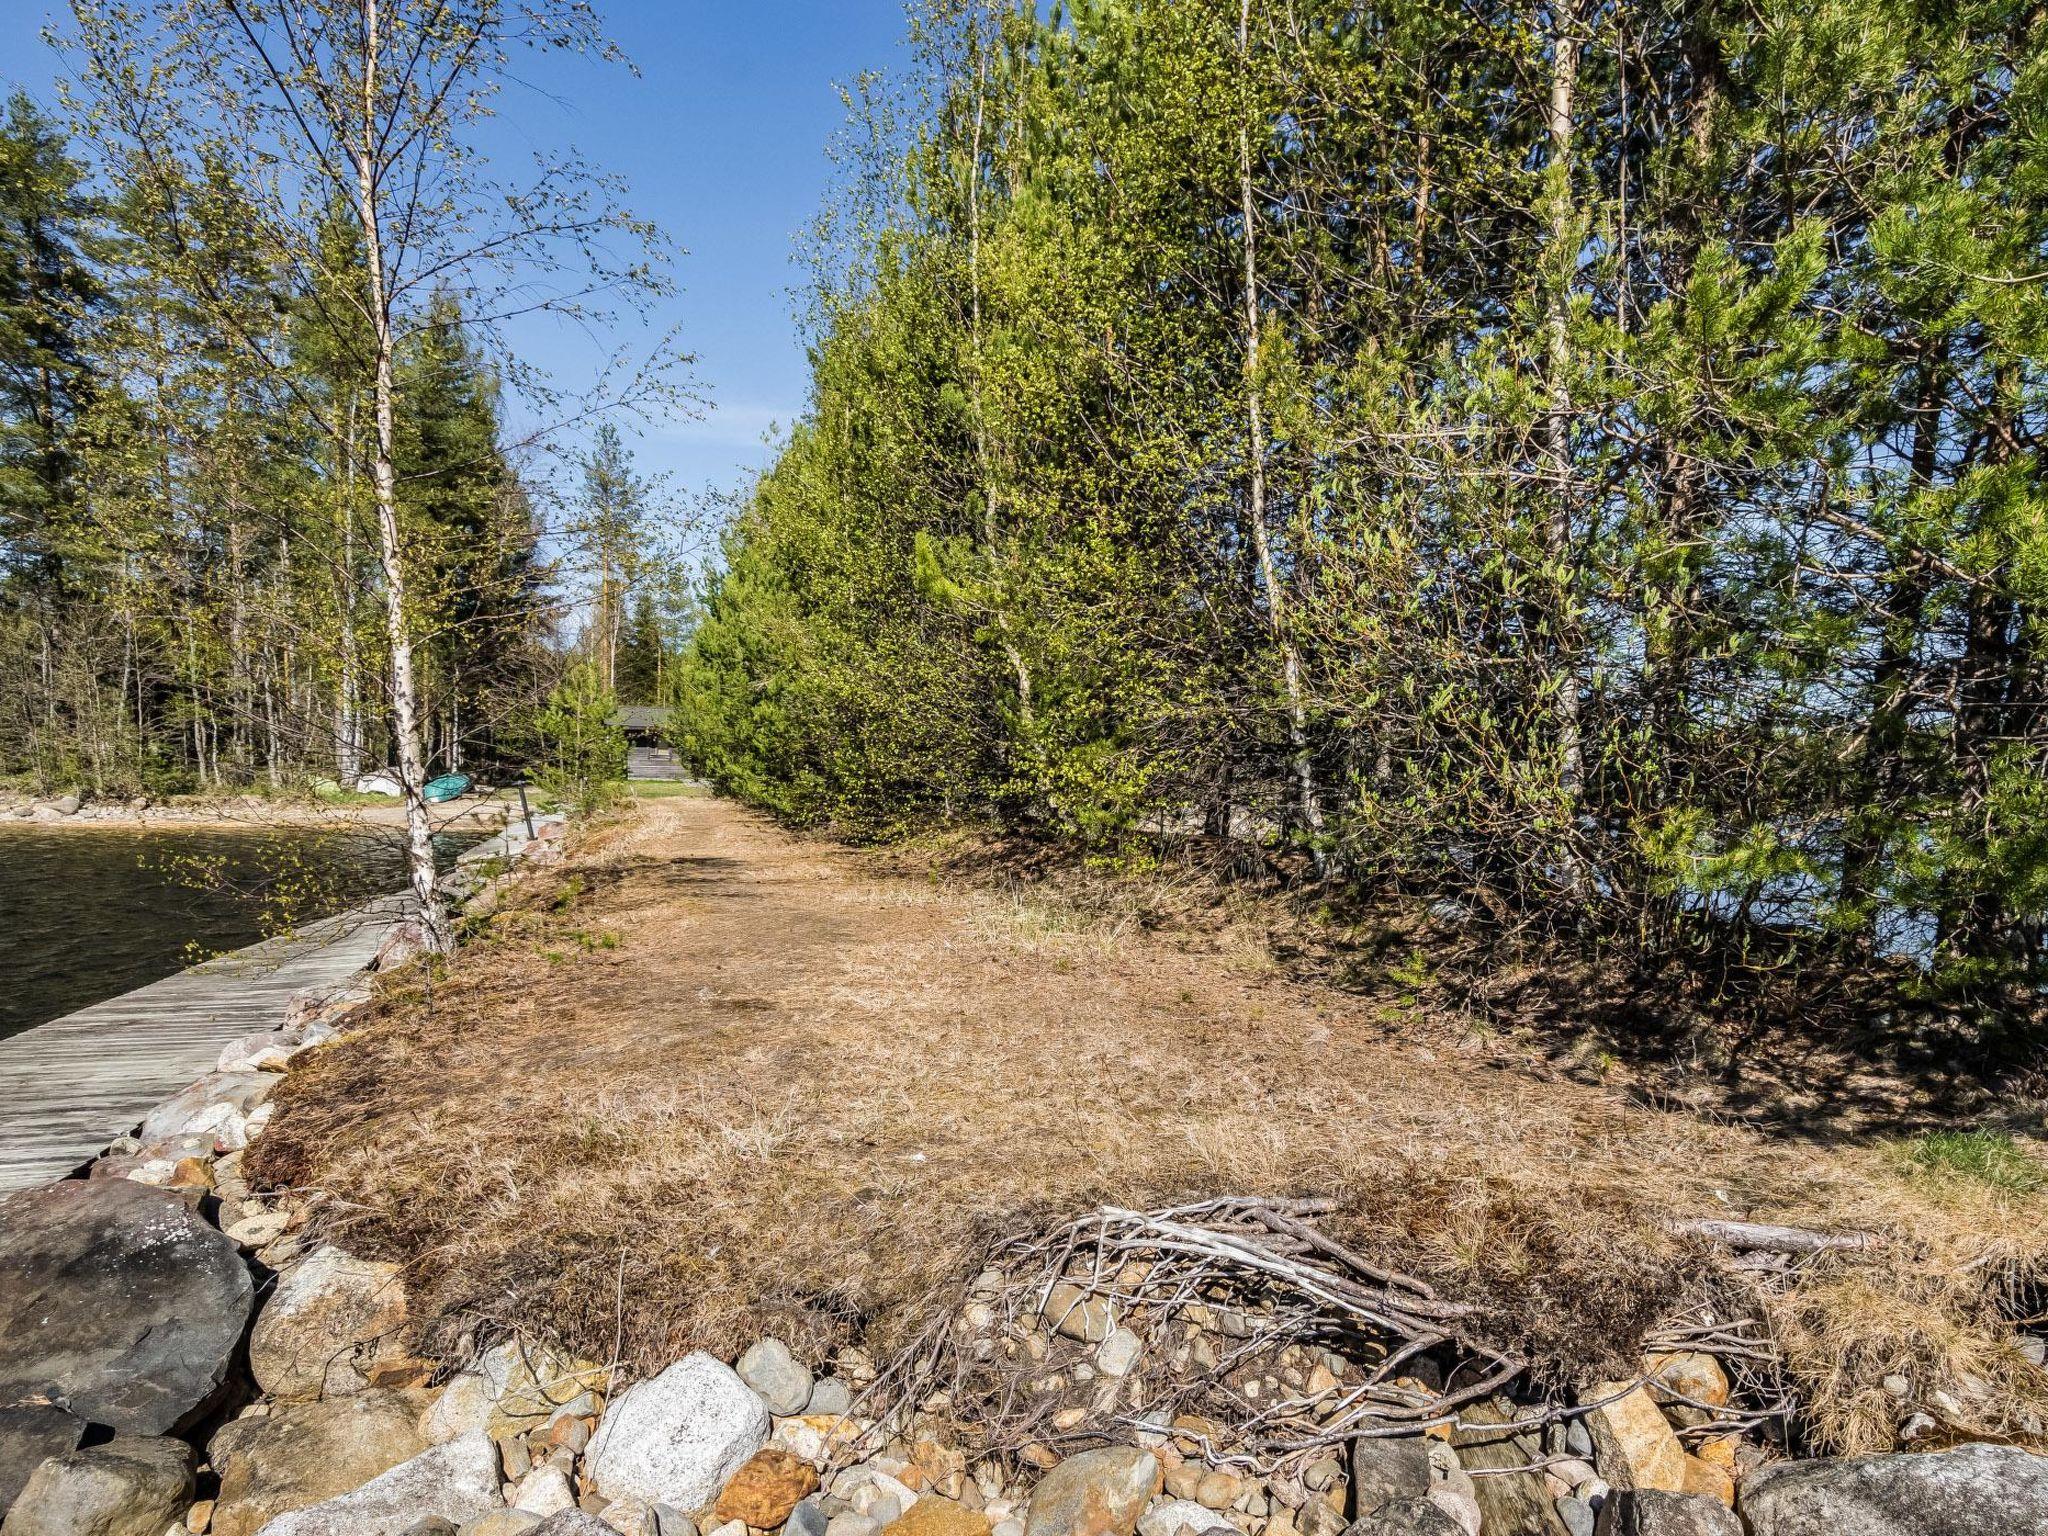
(181, 1352)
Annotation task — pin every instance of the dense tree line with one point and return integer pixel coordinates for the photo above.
(189, 573)
(1580, 458)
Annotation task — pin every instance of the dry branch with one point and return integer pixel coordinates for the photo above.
(1755, 1237)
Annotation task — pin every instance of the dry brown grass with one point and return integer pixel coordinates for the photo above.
(709, 1080)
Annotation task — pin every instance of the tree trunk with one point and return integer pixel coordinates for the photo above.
(348, 719)
(405, 720)
(1560, 257)
(1308, 804)
(983, 457)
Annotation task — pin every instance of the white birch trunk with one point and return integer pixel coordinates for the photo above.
(1558, 260)
(405, 721)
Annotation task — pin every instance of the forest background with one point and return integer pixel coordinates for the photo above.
(1576, 465)
(1571, 465)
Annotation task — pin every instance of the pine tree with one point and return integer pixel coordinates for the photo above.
(50, 293)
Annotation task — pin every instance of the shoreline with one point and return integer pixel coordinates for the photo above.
(249, 813)
(333, 946)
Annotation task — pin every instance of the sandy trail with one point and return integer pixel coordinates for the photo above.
(708, 1077)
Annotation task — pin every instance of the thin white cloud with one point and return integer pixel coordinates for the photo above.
(743, 425)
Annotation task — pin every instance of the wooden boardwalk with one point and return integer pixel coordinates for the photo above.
(70, 1086)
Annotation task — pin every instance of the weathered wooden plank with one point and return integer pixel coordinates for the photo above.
(70, 1086)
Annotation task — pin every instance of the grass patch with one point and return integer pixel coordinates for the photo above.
(1991, 1159)
(354, 797)
(666, 789)
(823, 1091)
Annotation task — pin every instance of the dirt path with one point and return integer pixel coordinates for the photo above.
(709, 1077)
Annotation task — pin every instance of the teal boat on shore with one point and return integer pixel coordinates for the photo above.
(447, 787)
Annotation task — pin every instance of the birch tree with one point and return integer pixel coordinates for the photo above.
(376, 107)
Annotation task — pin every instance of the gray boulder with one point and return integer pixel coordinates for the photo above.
(679, 1437)
(200, 1107)
(1384, 1469)
(783, 1381)
(127, 1487)
(120, 1304)
(28, 1438)
(1098, 1493)
(1972, 1490)
(572, 1522)
(455, 1482)
(1406, 1517)
(830, 1396)
(1654, 1512)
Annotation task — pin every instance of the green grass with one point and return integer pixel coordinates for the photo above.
(351, 797)
(1990, 1158)
(664, 789)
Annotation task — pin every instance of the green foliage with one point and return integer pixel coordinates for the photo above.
(1631, 527)
(50, 293)
(576, 752)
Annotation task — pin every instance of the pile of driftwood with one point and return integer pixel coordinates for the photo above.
(1264, 1278)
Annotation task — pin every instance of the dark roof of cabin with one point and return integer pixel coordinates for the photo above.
(641, 717)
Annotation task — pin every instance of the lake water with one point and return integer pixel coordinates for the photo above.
(87, 913)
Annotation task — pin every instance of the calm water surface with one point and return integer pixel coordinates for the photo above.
(87, 913)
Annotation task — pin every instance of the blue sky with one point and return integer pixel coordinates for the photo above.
(723, 140)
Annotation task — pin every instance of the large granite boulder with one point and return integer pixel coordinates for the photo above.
(1658, 1512)
(127, 1487)
(1972, 1490)
(332, 1320)
(218, 1105)
(29, 1437)
(302, 1454)
(1097, 1493)
(120, 1304)
(677, 1438)
(1406, 1517)
(456, 1482)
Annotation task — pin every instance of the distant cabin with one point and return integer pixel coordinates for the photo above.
(648, 754)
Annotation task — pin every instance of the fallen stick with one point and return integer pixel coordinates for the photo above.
(1755, 1237)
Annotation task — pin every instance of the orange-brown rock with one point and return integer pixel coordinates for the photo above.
(1637, 1446)
(402, 1372)
(1720, 1451)
(936, 1461)
(764, 1491)
(1689, 1377)
(1705, 1478)
(1195, 1435)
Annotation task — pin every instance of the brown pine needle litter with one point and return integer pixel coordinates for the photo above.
(707, 1080)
